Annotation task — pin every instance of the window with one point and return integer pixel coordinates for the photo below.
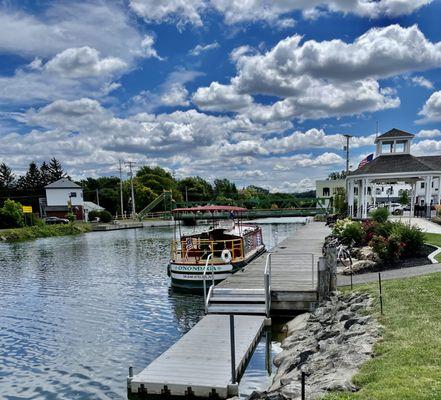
(73, 194)
(369, 190)
(422, 185)
(400, 146)
(326, 192)
(378, 191)
(387, 147)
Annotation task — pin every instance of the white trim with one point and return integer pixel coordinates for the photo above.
(434, 253)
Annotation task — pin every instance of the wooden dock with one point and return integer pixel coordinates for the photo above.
(199, 364)
(294, 276)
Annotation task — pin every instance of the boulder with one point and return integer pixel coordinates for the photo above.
(296, 324)
(366, 253)
(359, 266)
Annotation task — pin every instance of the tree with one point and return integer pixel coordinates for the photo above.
(11, 215)
(225, 189)
(337, 175)
(31, 181)
(45, 174)
(404, 198)
(55, 170)
(7, 178)
(197, 189)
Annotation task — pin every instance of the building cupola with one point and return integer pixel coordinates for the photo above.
(394, 141)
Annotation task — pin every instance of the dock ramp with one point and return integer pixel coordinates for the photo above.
(200, 363)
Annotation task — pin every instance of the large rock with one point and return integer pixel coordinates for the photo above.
(296, 324)
(359, 266)
(365, 253)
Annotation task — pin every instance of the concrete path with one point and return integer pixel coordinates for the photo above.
(424, 224)
(344, 280)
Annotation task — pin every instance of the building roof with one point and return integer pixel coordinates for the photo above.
(91, 206)
(63, 183)
(395, 163)
(394, 134)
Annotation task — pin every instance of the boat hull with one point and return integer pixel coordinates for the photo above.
(190, 276)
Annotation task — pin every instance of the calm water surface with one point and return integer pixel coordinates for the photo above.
(76, 312)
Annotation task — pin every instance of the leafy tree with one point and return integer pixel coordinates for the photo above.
(223, 188)
(7, 178)
(337, 175)
(197, 188)
(404, 198)
(45, 174)
(143, 195)
(11, 215)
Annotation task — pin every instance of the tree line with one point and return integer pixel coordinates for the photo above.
(149, 183)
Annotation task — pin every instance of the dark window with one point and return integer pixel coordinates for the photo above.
(72, 194)
(422, 185)
(326, 192)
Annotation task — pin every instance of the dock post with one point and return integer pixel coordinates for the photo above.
(303, 386)
(233, 350)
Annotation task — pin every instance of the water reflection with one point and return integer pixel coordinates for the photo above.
(75, 312)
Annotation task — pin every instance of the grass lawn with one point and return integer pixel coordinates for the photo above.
(407, 365)
(435, 239)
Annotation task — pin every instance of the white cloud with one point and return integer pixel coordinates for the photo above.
(180, 11)
(421, 81)
(83, 62)
(104, 26)
(431, 110)
(322, 79)
(428, 133)
(177, 95)
(234, 12)
(303, 185)
(219, 97)
(199, 49)
(147, 48)
(427, 147)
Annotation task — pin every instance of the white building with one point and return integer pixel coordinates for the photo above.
(63, 196)
(392, 170)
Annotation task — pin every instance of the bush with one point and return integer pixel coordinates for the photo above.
(347, 230)
(11, 215)
(380, 214)
(388, 249)
(104, 216)
(411, 237)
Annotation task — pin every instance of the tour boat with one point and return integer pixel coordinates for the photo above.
(231, 243)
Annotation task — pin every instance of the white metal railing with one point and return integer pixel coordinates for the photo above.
(267, 281)
(204, 277)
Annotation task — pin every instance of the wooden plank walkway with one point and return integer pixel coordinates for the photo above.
(199, 363)
(294, 270)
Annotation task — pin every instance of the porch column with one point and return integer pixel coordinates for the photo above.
(350, 197)
(439, 190)
(412, 198)
(365, 184)
(428, 194)
(359, 198)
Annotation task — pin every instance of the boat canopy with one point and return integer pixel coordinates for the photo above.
(210, 209)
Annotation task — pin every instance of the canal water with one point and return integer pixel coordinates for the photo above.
(77, 311)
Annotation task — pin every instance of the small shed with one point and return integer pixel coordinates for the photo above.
(63, 196)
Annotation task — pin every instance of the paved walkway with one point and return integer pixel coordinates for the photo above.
(424, 224)
(344, 280)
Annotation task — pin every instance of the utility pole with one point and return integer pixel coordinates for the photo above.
(97, 196)
(121, 187)
(347, 152)
(130, 164)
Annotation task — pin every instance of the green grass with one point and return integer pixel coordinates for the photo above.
(435, 239)
(34, 232)
(407, 365)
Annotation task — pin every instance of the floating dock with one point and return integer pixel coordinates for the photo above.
(199, 364)
(294, 278)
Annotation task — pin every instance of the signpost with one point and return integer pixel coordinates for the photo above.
(26, 210)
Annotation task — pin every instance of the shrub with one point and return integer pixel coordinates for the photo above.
(380, 214)
(370, 229)
(104, 215)
(388, 249)
(71, 217)
(11, 215)
(347, 230)
(410, 236)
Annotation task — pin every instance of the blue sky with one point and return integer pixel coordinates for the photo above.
(256, 91)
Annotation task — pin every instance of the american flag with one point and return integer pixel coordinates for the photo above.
(365, 160)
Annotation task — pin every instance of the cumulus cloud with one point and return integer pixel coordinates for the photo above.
(199, 49)
(428, 133)
(234, 12)
(322, 79)
(431, 110)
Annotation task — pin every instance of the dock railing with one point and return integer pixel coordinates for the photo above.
(204, 277)
(267, 281)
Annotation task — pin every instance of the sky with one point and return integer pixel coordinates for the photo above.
(257, 91)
